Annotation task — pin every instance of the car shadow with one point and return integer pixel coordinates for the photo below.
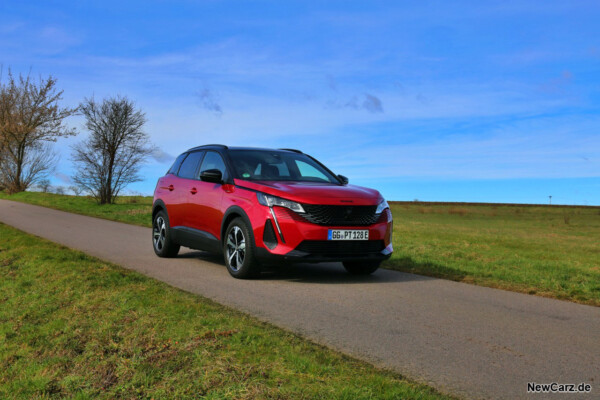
(325, 273)
(332, 273)
(202, 255)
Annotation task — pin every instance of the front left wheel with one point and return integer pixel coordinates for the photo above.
(239, 251)
(161, 236)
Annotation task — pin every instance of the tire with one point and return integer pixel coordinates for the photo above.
(162, 243)
(361, 267)
(239, 251)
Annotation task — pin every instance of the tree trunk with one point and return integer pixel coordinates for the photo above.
(17, 184)
(111, 164)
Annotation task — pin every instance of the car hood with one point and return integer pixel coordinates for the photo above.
(315, 193)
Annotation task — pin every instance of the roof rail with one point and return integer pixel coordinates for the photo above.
(294, 150)
(209, 145)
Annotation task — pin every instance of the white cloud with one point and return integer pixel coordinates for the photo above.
(66, 179)
(162, 157)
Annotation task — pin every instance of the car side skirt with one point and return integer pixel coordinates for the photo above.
(196, 239)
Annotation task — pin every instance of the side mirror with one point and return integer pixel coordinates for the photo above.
(343, 179)
(212, 175)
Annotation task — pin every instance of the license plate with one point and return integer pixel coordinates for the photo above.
(346, 234)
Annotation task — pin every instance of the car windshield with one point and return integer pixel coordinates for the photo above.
(273, 165)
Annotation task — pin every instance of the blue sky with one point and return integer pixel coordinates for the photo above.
(494, 101)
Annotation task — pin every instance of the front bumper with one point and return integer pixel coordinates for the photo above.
(302, 241)
(299, 256)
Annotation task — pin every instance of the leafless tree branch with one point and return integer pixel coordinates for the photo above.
(30, 115)
(110, 158)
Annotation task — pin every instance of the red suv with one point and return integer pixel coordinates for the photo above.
(260, 205)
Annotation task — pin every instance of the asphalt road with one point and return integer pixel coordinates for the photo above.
(466, 340)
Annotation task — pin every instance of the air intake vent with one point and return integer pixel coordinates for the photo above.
(340, 215)
(269, 237)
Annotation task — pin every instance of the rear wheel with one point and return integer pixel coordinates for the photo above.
(239, 252)
(361, 267)
(161, 236)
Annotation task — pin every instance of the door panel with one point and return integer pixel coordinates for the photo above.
(175, 199)
(169, 190)
(182, 187)
(205, 205)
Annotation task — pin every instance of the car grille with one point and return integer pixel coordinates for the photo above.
(340, 215)
(332, 248)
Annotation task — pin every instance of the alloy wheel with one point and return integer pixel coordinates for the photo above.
(236, 248)
(159, 233)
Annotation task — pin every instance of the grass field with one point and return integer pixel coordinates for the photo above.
(549, 251)
(135, 210)
(72, 326)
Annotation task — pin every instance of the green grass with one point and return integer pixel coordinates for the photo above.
(76, 327)
(548, 251)
(135, 210)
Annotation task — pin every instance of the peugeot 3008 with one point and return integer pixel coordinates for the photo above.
(257, 206)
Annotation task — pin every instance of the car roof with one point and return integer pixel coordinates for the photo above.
(222, 146)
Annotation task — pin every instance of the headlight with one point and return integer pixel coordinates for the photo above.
(270, 201)
(382, 206)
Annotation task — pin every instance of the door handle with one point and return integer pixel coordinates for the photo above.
(193, 191)
(171, 188)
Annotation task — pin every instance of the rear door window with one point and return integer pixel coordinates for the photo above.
(175, 167)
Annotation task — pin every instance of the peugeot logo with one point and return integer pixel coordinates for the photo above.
(348, 212)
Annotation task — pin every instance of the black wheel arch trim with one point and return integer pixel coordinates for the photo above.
(156, 205)
(239, 211)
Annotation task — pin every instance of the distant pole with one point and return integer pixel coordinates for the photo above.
(550, 197)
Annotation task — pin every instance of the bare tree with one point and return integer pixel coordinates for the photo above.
(59, 190)
(30, 117)
(110, 158)
(44, 185)
(77, 190)
(39, 161)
